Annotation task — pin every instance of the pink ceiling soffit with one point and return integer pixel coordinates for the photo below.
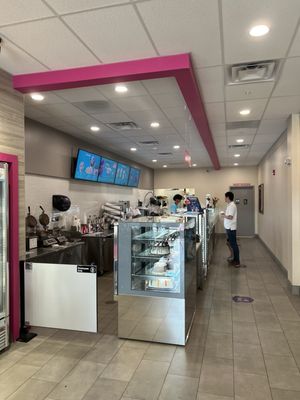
(177, 66)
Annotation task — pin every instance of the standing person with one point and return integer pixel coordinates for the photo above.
(230, 223)
(177, 199)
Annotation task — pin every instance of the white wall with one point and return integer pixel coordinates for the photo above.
(214, 182)
(88, 196)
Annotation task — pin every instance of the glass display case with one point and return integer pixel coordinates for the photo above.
(155, 278)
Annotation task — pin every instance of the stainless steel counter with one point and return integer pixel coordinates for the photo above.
(70, 253)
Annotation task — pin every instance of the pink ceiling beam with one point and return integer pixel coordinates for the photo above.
(177, 66)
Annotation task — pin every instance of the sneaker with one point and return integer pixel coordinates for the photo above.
(236, 264)
(229, 259)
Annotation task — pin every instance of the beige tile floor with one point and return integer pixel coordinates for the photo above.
(235, 351)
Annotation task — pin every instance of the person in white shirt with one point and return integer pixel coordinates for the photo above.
(230, 224)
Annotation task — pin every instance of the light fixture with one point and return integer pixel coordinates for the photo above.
(133, 149)
(154, 124)
(194, 165)
(154, 161)
(240, 140)
(37, 96)
(154, 148)
(165, 166)
(246, 111)
(236, 164)
(176, 147)
(95, 128)
(121, 89)
(259, 30)
(237, 155)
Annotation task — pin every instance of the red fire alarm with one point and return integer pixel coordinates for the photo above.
(273, 172)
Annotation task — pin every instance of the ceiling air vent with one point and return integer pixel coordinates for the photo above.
(239, 146)
(242, 124)
(123, 126)
(165, 154)
(150, 142)
(251, 72)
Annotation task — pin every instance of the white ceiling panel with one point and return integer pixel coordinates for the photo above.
(244, 132)
(215, 112)
(84, 121)
(147, 115)
(295, 49)
(108, 31)
(282, 107)
(239, 16)
(220, 141)
(211, 83)
(68, 6)
(217, 129)
(231, 140)
(269, 138)
(133, 89)
(288, 85)
(161, 86)
(13, 11)
(139, 103)
(49, 98)
(258, 149)
(272, 126)
(112, 117)
(178, 113)
(234, 107)
(60, 110)
(169, 99)
(16, 61)
(185, 26)
(80, 94)
(249, 91)
(65, 52)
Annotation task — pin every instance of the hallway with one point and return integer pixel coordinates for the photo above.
(235, 351)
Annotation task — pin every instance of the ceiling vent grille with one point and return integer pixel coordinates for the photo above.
(123, 126)
(149, 142)
(242, 124)
(165, 154)
(239, 146)
(263, 71)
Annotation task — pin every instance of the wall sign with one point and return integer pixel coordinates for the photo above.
(261, 198)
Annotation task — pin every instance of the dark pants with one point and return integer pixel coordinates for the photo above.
(231, 235)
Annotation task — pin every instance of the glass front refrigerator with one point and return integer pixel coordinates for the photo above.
(4, 265)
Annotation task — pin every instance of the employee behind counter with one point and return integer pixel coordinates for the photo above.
(177, 200)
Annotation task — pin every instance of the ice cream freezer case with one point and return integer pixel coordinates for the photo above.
(155, 278)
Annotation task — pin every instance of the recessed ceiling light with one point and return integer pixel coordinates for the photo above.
(95, 128)
(154, 160)
(154, 148)
(133, 149)
(246, 111)
(237, 155)
(165, 166)
(121, 89)
(240, 140)
(259, 30)
(194, 165)
(37, 96)
(154, 124)
(236, 164)
(176, 147)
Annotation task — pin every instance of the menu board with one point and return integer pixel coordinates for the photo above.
(87, 166)
(122, 174)
(107, 171)
(134, 177)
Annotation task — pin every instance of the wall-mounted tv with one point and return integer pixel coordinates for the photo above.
(87, 166)
(107, 171)
(134, 177)
(122, 174)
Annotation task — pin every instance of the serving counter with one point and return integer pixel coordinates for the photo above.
(155, 278)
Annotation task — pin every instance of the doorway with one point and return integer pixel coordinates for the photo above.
(244, 200)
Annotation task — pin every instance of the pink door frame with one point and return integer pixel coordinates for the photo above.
(177, 66)
(14, 274)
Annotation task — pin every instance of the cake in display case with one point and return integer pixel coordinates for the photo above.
(155, 278)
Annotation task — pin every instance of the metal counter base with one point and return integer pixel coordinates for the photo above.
(154, 319)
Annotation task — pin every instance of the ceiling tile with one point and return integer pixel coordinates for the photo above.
(65, 52)
(295, 49)
(169, 99)
(211, 83)
(139, 103)
(245, 132)
(96, 106)
(112, 117)
(15, 11)
(182, 113)
(249, 91)
(272, 126)
(256, 106)
(217, 129)
(68, 6)
(16, 61)
(261, 148)
(147, 115)
(50, 98)
(282, 107)
(62, 110)
(289, 82)
(269, 138)
(240, 46)
(184, 26)
(80, 94)
(161, 86)
(134, 89)
(231, 140)
(215, 112)
(109, 31)
(220, 141)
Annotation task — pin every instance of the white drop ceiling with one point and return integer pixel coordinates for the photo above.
(41, 35)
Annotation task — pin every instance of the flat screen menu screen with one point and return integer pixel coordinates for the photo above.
(122, 174)
(134, 177)
(87, 166)
(107, 171)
